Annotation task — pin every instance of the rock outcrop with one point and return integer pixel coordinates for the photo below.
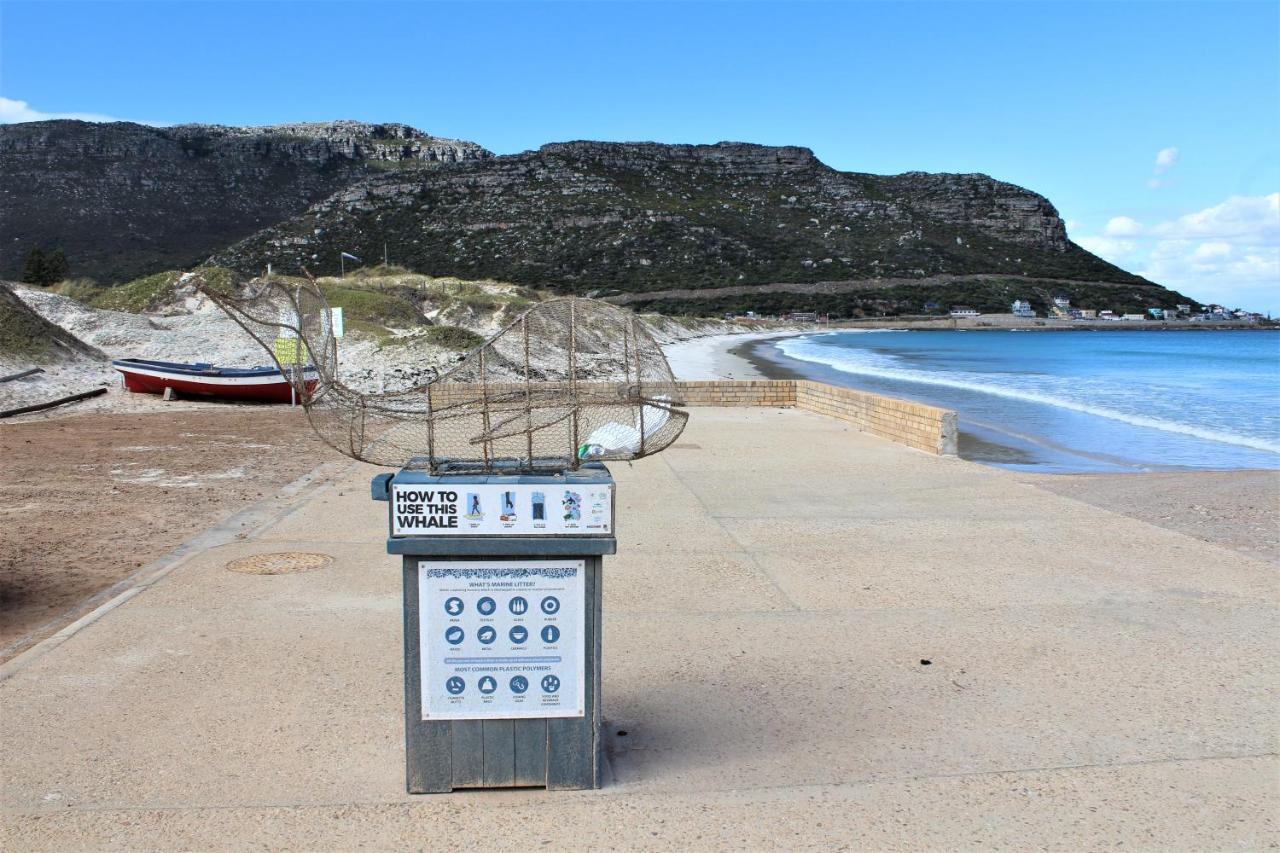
(123, 199)
(676, 228)
(613, 218)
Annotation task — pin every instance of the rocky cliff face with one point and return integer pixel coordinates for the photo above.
(607, 218)
(123, 199)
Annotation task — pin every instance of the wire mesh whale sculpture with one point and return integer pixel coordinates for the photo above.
(569, 381)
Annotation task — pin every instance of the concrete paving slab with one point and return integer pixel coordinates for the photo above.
(1091, 681)
(704, 582)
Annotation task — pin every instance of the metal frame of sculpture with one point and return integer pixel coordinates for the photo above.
(570, 380)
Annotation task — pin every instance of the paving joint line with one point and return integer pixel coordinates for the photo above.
(727, 532)
(540, 798)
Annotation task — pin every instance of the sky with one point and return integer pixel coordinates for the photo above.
(1153, 127)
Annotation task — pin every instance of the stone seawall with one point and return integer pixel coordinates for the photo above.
(916, 425)
(926, 428)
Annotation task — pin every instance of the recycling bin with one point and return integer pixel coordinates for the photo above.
(502, 600)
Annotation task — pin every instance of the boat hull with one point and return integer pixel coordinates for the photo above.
(258, 389)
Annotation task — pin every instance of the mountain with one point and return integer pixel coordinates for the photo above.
(123, 200)
(676, 228)
(704, 228)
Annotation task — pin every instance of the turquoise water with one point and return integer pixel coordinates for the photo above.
(1074, 401)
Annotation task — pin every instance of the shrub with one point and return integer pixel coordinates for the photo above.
(138, 295)
(83, 290)
(43, 268)
(454, 337)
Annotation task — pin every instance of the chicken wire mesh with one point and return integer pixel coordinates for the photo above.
(569, 381)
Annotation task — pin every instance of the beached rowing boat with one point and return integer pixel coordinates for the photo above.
(261, 384)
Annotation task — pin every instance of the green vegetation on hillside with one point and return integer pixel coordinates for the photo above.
(369, 310)
(454, 337)
(27, 337)
(987, 297)
(612, 218)
(150, 292)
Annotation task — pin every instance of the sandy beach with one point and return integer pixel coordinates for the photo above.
(724, 357)
(89, 498)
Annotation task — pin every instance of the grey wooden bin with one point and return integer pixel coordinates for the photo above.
(555, 753)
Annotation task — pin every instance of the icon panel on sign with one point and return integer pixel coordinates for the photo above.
(551, 605)
(454, 635)
(486, 635)
(518, 605)
(455, 685)
(518, 634)
(486, 606)
(453, 606)
(550, 634)
(519, 684)
(488, 684)
(550, 684)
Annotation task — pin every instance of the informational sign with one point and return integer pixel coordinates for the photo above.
(286, 351)
(336, 323)
(480, 510)
(501, 639)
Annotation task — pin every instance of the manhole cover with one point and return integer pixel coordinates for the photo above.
(285, 563)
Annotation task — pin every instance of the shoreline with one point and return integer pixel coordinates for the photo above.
(1230, 508)
(724, 356)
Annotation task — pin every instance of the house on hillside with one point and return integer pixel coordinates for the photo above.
(962, 311)
(1086, 313)
(1133, 318)
(1022, 308)
(1063, 302)
(1155, 313)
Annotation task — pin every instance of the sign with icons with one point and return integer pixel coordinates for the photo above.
(501, 639)
(528, 509)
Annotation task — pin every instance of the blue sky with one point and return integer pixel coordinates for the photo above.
(1153, 126)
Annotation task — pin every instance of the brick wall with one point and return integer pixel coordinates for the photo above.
(730, 392)
(926, 428)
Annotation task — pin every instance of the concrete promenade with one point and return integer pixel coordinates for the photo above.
(1093, 681)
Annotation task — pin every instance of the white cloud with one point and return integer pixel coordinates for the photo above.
(1250, 217)
(1228, 253)
(15, 112)
(1122, 226)
(1166, 158)
(1117, 251)
(1211, 252)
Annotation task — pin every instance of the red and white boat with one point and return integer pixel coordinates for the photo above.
(258, 384)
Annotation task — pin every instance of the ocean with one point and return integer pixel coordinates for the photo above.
(1073, 401)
